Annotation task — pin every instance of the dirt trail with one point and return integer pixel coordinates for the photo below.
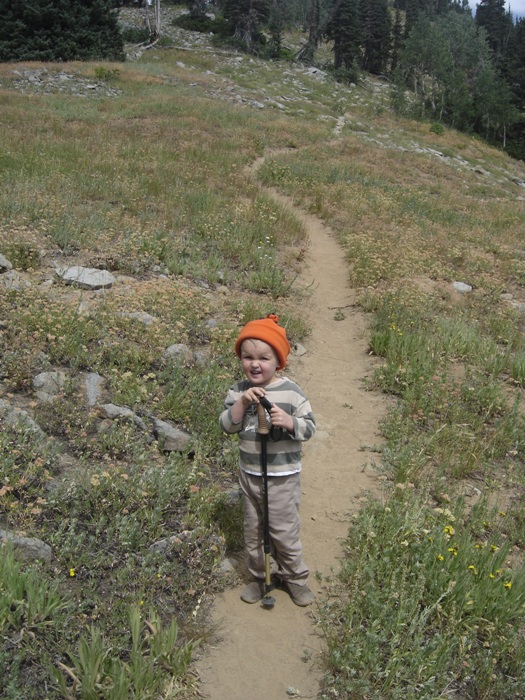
(262, 654)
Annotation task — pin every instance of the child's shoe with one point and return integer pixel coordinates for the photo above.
(254, 592)
(301, 595)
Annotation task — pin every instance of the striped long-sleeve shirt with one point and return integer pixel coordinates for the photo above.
(283, 448)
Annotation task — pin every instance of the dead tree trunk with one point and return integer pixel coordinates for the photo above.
(153, 28)
(307, 53)
(156, 5)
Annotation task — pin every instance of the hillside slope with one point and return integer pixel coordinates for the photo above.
(214, 187)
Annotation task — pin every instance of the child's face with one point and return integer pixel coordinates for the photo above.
(259, 362)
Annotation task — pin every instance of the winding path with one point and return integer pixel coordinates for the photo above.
(262, 654)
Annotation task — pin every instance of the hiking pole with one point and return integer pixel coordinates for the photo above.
(268, 601)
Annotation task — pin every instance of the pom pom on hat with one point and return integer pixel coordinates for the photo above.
(269, 331)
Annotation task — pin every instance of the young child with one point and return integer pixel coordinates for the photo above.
(263, 348)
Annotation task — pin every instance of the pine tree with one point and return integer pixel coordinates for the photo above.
(197, 8)
(448, 63)
(515, 74)
(376, 31)
(59, 30)
(497, 22)
(344, 29)
(276, 26)
(397, 39)
(516, 62)
(411, 15)
(246, 18)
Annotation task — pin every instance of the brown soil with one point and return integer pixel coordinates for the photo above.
(267, 654)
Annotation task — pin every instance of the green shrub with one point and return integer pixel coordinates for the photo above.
(107, 74)
(437, 128)
(135, 35)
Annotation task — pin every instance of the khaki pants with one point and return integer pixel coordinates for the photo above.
(284, 496)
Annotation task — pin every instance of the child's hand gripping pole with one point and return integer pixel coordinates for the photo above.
(263, 430)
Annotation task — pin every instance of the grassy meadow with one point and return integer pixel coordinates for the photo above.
(152, 185)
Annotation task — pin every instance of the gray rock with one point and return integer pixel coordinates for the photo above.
(48, 385)
(141, 316)
(201, 358)
(93, 383)
(28, 548)
(518, 305)
(18, 418)
(170, 438)
(113, 412)
(462, 287)
(299, 350)
(14, 280)
(226, 566)
(179, 353)
(5, 264)
(232, 497)
(169, 543)
(86, 278)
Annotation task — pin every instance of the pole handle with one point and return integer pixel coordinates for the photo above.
(263, 427)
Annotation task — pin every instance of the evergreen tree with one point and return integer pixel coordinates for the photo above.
(397, 39)
(276, 26)
(448, 63)
(246, 18)
(515, 74)
(497, 22)
(461, 6)
(344, 29)
(411, 15)
(59, 30)
(516, 62)
(376, 31)
(197, 8)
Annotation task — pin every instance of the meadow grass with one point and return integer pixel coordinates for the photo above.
(426, 605)
(152, 184)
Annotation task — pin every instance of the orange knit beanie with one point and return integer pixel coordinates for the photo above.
(269, 331)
